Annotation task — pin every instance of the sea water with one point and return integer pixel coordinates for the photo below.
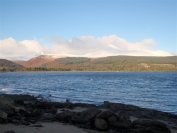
(155, 90)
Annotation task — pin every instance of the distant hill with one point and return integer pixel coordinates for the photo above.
(37, 61)
(111, 63)
(6, 65)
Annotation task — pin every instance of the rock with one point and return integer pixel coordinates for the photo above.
(107, 103)
(9, 132)
(112, 119)
(120, 122)
(24, 123)
(101, 124)
(16, 122)
(3, 115)
(36, 125)
(105, 115)
(16, 109)
(6, 109)
(149, 126)
(85, 116)
(112, 131)
(48, 117)
(1, 120)
(121, 126)
(65, 116)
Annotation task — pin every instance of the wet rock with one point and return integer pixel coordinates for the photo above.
(38, 125)
(105, 115)
(48, 117)
(112, 119)
(1, 120)
(149, 126)
(53, 110)
(120, 122)
(121, 126)
(101, 124)
(119, 106)
(85, 116)
(3, 115)
(24, 123)
(112, 131)
(65, 116)
(16, 122)
(6, 109)
(9, 132)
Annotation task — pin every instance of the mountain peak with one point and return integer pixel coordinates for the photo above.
(50, 56)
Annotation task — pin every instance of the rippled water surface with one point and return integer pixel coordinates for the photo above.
(149, 90)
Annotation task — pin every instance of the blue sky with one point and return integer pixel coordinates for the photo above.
(52, 22)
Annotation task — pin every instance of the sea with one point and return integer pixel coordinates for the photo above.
(154, 90)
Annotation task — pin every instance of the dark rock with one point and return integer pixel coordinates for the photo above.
(24, 123)
(121, 126)
(3, 115)
(65, 116)
(85, 116)
(119, 106)
(120, 122)
(112, 131)
(101, 124)
(107, 103)
(48, 117)
(112, 119)
(36, 125)
(42, 105)
(1, 120)
(6, 109)
(53, 110)
(149, 126)
(9, 132)
(32, 121)
(85, 105)
(16, 122)
(105, 115)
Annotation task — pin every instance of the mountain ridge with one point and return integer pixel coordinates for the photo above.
(110, 63)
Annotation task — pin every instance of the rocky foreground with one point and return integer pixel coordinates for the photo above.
(109, 117)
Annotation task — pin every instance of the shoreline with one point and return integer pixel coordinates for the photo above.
(27, 110)
(95, 71)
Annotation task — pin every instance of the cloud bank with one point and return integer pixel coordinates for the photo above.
(86, 46)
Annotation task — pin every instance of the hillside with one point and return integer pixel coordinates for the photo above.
(111, 63)
(6, 65)
(37, 61)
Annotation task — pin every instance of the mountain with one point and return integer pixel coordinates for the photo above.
(6, 65)
(111, 63)
(38, 61)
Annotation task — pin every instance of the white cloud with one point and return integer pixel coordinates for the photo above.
(86, 46)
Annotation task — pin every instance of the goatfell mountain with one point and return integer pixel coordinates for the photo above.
(111, 63)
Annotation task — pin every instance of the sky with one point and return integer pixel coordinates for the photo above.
(88, 28)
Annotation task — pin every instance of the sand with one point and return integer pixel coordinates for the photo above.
(48, 127)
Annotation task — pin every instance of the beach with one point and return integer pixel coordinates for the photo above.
(28, 114)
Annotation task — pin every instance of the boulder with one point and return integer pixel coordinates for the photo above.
(9, 132)
(6, 109)
(120, 122)
(85, 116)
(149, 126)
(112, 119)
(65, 116)
(101, 124)
(3, 115)
(105, 115)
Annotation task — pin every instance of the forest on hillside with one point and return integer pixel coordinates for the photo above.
(111, 63)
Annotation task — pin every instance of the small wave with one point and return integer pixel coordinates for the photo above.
(4, 89)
